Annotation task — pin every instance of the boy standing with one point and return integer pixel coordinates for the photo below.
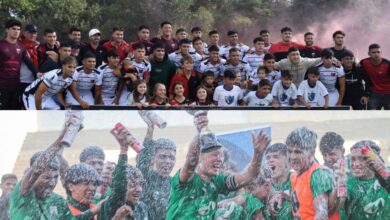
(228, 95)
(284, 91)
(311, 91)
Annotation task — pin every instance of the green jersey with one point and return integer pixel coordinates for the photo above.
(99, 197)
(285, 212)
(252, 206)
(195, 199)
(29, 207)
(367, 199)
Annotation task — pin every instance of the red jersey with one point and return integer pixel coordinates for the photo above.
(174, 102)
(41, 50)
(377, 77)
(148, 45)
(122, 49)
(280, 50)
(11, 58)
(170, 45)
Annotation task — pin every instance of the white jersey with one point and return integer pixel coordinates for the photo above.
(273, 76)
(242, 67)
(176, 58)
(227, 98)
(328, 76)
(252, 100)
(313, 95)
(254, 60)
(206, 49)
(53, 80)
(224, 50)
(143, 69)
(206, 65)
(284, 96)
(26, 76)
(109, 81)
(131, 101)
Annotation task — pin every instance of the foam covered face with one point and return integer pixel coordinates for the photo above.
(358, 164)
(83, 192)
(46, 183)
(331, 157)
(134, 190)
(211, 162)
(163, 162)
(96, 163)
(298, 159)
(277, 164)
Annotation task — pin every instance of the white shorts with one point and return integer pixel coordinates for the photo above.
(86, 96)
(48, 103)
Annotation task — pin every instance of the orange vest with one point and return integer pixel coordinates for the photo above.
(302, 196)
(76, 211)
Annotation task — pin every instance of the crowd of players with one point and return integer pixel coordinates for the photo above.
(282, 181)
(185, 70)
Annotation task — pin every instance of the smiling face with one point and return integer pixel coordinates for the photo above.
(83, 192)
(68, 69)
(299, 159)
(161, 91)
(134, 191)
(163, 162)
(211, 162)
(201, 94)
(142, 88)
(332, 156)
(309, 40)
(358, 165)
(179, 90)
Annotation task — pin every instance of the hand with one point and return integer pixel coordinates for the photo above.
(39, 75)
(364, 100)
(224, 203)
(95, 210)
(121, 136)
(116, 101)
(138, 105)
(295, 105)
(84, 105)
(326, 106)
(260, 142)
(146, 119)
(307, 105)
(67, 105)
(123, 212)
(201, 120)
(275, 105)
(275, 203)
(52, 55)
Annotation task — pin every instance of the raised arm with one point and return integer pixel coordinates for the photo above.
(321, 207)
(260, 143)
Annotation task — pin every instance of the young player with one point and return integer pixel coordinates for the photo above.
(260, 98)
(198, 47)
(170, 44)
(142, 66)
(281, 50)
(143, 34)
(265, 35)
(273, 74)
(236, 64)
(214, 64)
(39, 94)
(259, 74)
(256, 58)
(228, 94)
(181, 34)
(339, 46)
(311, 91)
(310, 50)
(332, 76)
(117, 43)
(284, 91)
(84, 80)
(110, 81)
(213, 40)
(233, 43)
(184, 49)
(209, 83)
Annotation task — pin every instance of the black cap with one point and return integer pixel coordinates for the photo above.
(74, 44)
(31, 28)
(347, 53)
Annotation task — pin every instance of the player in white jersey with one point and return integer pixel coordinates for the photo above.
(213, 40)
(311, 92)
(110, 80)
(196, 32)
(256, 58)
(234, 63)
(184, 49)
(228, 94)
(330, 75)
(39, 94)
(142, 66)
(233, 43)
(284, 91)
(214, 64)
(86, 79)
(262, 97)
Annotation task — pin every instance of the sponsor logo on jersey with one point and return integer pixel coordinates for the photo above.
(229, 99)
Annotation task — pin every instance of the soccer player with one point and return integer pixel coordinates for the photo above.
(143, 34)
(12, 55)
(332, 76)
(74, 34)
(39, 94)
(311, 91)
(55, 62)
(93, 46)
(265, 35)
(260, 98)
(355, 93)
(184, 49)
(228, 94)
(233, 43)
(332, 149)
(170, 44)
(367, 198)
(311, 183)
(256, 58)
(84, 80)
(117, 43)
(284, 91)
(310, 50)
(199, 181)
(181, 34)
(49, 47)
(236, 64)
(7, 184)
(376, 72)
(142, 66)
(213, 40)
(110, 81)
(281, 50)
(214, 64)
(162, 68)
(339, 46)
